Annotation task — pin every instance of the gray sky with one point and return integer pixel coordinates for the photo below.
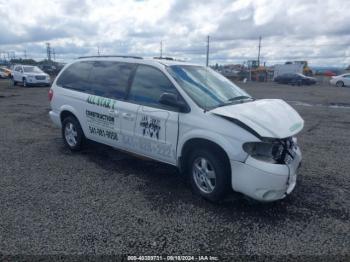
(314, 30)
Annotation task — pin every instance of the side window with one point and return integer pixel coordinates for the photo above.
(110, 79)
(76, 77)
(18, 68)
(148, 85)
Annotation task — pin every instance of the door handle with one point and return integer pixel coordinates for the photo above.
(128, 116)
(113, 112)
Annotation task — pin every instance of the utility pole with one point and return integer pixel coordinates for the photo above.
(259, 51)
(48, 50)
(98, 50)
(54, 54)
(161, 49)
(25, 54)
(207, 61)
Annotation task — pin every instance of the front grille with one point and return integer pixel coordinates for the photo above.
(40, 77)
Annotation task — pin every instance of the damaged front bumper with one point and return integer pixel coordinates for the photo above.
(265, 181)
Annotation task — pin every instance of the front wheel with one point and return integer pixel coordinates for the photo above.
(210, 175)
(340, 84)
(25, 82)
(72, 133)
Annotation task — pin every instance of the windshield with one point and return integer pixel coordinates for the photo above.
(207, 88)
(31, 69)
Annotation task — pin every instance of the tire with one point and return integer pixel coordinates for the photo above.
(299, 83)
(340, 84)
(202, 166)
(14, 83)
(72, 133)
(25, 82)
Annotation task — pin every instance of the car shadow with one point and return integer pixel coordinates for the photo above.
(166, 189)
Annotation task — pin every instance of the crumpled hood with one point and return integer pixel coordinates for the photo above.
(271, 118)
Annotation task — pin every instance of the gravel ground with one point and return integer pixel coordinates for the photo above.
(102, 201)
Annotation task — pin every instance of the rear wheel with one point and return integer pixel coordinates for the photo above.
(72, 133)
(209, 174)
(340, 84)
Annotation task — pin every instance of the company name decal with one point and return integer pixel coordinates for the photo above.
(103, 133)
(150, 126)
(101, 101)
(101, 125)
(148, 145)
(102, 117)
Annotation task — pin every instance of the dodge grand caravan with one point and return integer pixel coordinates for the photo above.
(185, 115)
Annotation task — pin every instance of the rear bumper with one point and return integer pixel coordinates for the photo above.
(55, 118)
(264, 181)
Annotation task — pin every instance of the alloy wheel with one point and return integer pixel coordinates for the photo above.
(204, 175)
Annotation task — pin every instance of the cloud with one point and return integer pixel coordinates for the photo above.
(316, 31)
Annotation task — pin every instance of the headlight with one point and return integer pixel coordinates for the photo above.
(275, 151)
(30, 76)
(271, 152)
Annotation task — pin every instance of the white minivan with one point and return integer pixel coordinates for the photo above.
(185, 115)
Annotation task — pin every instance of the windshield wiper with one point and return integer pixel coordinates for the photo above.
(231, 101)
(237, 98)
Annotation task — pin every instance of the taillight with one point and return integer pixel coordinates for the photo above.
(50, 94)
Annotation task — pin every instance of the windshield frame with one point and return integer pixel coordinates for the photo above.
(230, 101)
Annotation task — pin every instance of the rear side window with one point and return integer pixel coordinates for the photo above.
(76, 77)
(148, 85)
(110, 79)
(102, 78)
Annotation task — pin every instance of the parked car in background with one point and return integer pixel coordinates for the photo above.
(185, 115)
(30, 75)
(5, 72)
(341, 80)
(295, 79)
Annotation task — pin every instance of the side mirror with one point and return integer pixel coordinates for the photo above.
(172, 100)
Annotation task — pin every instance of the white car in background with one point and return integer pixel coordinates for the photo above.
(30, 75)
(341, 80)
(185, 115)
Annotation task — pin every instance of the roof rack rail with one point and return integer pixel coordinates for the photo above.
(122, 56)
(164, 58)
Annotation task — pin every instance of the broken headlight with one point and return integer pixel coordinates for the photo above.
(272, 151)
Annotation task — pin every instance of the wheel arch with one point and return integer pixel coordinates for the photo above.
(200, 142)
(66, 111)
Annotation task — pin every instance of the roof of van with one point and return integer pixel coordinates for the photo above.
(166, 62)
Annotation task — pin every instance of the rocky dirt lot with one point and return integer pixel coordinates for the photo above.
(102, 201)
